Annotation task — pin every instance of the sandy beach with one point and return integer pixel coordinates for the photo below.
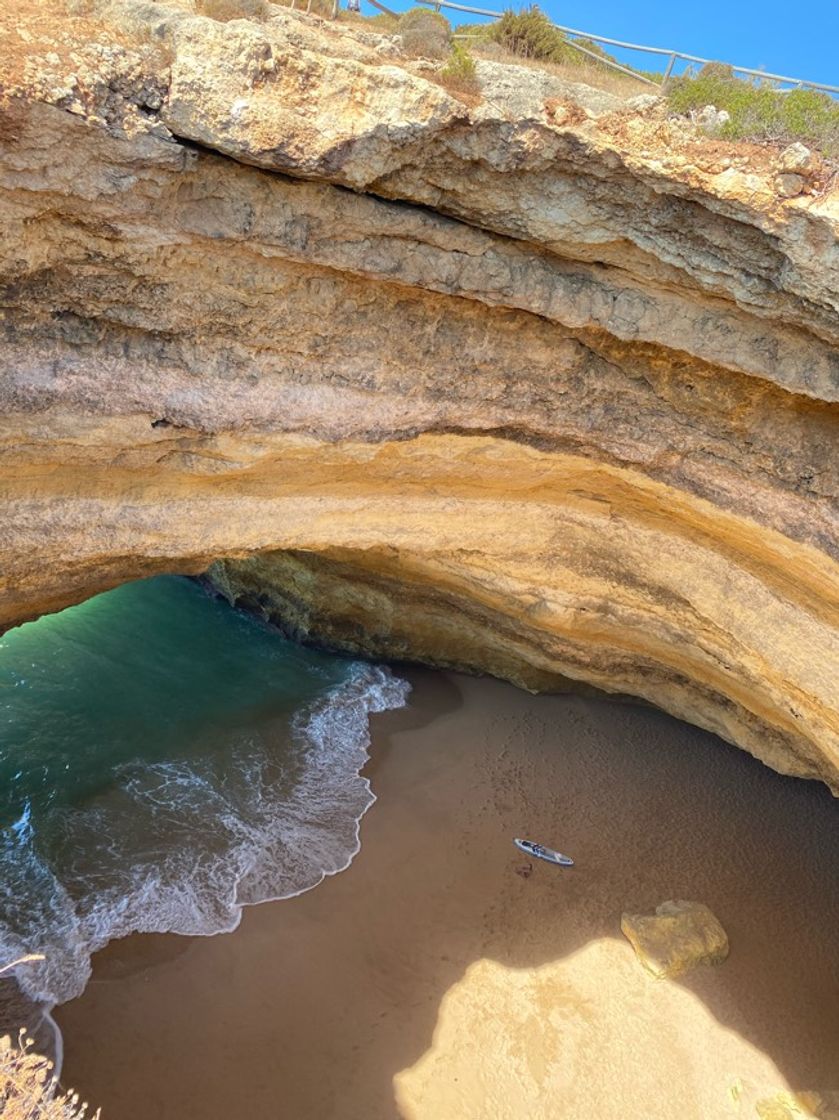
(444, 977)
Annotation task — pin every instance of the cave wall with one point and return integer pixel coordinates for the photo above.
(545, 394)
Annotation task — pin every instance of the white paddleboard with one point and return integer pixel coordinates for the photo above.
(541, 852)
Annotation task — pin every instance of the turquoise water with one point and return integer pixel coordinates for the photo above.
(165, 760)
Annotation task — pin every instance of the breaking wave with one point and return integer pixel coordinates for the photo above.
(182, 846)
(175, 838)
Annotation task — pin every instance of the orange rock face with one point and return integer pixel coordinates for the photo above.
(546, 394)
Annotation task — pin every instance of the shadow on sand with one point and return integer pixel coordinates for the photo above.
(316, 1003)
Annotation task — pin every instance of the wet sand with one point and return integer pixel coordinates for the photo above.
(434, 981)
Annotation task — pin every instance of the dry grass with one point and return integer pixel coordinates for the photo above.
(27, 1088)
(381, 23)
(458, 76)
(32, 29)
(528, 36)
(480, 46)
(598, 77)
(226, 10)
(322, 8)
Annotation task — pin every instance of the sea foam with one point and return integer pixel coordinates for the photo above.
(182, 846)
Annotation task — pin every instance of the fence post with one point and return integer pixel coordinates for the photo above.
(671, 63)
(455, 5)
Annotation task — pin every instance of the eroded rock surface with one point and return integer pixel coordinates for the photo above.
(799, 1106)
(543, 386)
(678, 937)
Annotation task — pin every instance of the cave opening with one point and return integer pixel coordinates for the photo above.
(165, 778)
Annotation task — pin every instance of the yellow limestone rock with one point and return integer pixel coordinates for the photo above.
(677, 937)
(552, 401)
(799, 1106)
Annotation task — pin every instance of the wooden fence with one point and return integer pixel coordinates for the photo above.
(673, 57)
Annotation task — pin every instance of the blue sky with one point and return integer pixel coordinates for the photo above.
(801, 40)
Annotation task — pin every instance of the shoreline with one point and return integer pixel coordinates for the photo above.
(430, 980)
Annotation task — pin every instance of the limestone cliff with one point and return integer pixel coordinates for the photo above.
(543, 385)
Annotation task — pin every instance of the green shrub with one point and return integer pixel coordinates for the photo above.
(461, 64)
(758, 110)
(530, 34)
(425, 34)
(459, 75)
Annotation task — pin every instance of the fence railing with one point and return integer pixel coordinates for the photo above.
(673, 56)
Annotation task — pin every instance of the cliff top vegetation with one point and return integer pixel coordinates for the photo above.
(752, 124)
(758, 110)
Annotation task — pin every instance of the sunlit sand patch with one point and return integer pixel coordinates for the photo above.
(587, 1036)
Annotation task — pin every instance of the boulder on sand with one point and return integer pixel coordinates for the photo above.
(677, 937)
(799, 1106)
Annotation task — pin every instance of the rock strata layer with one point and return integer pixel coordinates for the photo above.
(542, 386)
